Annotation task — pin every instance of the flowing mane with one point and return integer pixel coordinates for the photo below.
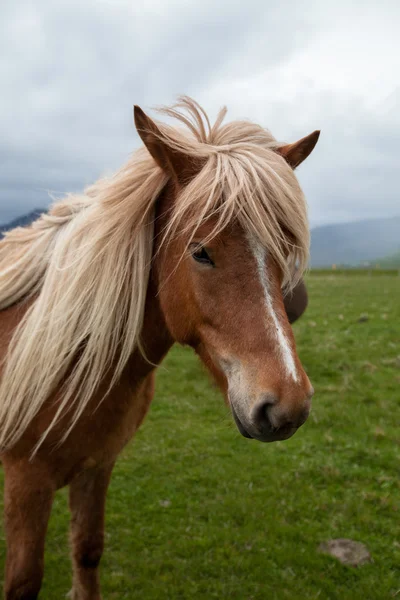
(85, 265)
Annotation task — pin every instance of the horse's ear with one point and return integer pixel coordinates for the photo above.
(294, 154)
(173, 162)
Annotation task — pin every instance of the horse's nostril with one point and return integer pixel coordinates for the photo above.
(271, 415)
(260, 413)
(269, 400)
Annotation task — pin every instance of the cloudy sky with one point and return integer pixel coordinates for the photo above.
(70, 72)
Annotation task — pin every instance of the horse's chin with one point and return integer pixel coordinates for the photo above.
(240, 426)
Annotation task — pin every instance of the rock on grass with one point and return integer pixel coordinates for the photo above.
(346, 551)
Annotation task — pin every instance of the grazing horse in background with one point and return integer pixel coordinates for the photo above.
(195, 240)
(296, 303)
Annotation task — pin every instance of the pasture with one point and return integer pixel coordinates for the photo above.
(195, 511)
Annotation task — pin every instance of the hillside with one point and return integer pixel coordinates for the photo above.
(355, 243)
(22, 221)
(392, 261)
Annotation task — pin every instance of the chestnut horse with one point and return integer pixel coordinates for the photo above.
(195, 240)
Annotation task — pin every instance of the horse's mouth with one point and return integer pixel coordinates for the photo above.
(270, 435)
(239, 425)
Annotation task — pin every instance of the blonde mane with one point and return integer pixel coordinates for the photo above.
(85, 264)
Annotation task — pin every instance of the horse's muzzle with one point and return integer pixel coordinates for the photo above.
(267, 433)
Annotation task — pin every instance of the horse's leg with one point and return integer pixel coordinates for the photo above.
(28, 497)
(87, 503)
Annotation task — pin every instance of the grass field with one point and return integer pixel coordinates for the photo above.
(196, 511)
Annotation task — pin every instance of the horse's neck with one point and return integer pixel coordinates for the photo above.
(155, 338)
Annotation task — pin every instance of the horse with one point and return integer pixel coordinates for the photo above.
(197, 239)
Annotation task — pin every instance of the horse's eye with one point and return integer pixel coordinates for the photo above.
(200, 255)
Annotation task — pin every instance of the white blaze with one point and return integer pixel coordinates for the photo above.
(260, 255)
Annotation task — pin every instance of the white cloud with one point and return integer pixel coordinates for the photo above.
(71, 71)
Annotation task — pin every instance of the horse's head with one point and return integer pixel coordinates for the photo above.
(231, 224)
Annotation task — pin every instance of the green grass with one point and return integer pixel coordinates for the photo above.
(355, 271)
(195, 511)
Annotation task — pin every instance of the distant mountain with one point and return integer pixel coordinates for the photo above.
(355, 243)
(22, 221)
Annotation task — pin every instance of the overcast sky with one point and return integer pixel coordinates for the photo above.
(70, 72)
